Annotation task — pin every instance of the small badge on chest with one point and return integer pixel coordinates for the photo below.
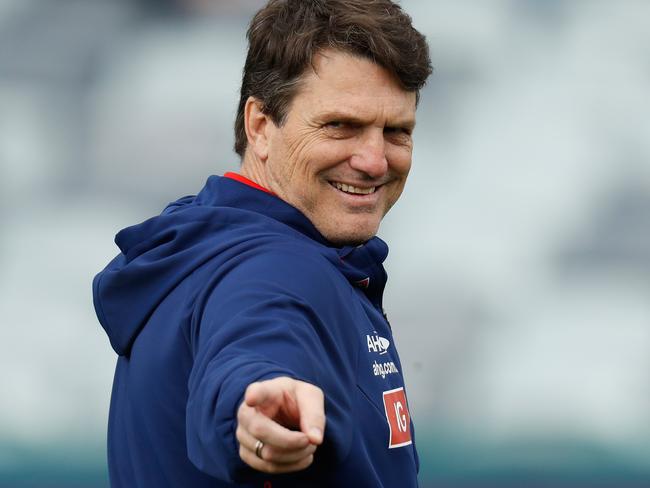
(399, 419)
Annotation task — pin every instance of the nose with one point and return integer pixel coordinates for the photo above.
(369, 156)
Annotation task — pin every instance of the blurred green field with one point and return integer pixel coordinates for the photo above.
(448, 460)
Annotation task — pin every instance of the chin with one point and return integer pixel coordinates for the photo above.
(352, 237)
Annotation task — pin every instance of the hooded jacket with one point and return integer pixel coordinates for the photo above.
(233, 286)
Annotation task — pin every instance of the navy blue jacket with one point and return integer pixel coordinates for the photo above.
(235, 286)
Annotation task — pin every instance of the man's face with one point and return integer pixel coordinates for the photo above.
(344, 152)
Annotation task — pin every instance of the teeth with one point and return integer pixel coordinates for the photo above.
(353, 189)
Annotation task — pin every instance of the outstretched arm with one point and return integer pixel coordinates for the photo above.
(264, 334)
(288, 417)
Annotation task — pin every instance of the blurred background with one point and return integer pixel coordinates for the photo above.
(520, 251)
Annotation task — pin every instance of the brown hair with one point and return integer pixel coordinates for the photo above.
(284, 36)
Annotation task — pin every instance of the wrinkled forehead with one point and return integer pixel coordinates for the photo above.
(354, 86)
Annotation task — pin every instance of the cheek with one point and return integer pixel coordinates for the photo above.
(331, 152)
(399, 160)
(307, 156)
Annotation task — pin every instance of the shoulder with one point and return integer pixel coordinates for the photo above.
(286, 266)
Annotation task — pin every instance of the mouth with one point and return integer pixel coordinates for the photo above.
(353, 190)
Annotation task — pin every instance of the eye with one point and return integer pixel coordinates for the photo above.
(335, 124)
(337, 129)
(400, 136)
(397, 131)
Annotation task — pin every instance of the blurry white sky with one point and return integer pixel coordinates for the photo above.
(520, 252)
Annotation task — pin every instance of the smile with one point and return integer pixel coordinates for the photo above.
(352, 189)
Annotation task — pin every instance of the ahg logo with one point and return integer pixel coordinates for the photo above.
(377, 344)
(399, 419)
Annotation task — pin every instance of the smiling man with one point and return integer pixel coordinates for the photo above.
(253, 348)
(343, 153)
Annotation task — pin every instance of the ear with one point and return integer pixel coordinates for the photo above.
(257, 124)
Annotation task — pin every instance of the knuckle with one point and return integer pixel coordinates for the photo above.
(250, 388)
(256, 428)
(313, 388)
(242, 412)
(269, 454)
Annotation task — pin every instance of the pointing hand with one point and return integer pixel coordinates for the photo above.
(288, 417)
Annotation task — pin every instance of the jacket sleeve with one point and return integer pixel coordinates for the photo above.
(269, 315)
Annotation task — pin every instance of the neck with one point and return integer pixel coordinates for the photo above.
(253, 169)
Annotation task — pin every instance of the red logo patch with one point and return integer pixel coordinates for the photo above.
(399, 419)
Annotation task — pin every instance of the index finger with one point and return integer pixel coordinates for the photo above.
(260, 392)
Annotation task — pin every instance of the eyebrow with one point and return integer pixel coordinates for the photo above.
(353, 119)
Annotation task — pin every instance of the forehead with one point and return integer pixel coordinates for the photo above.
(344, 83)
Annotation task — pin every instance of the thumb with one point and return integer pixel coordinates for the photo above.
(311, 405)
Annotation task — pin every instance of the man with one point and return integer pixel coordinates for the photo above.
(253, 348)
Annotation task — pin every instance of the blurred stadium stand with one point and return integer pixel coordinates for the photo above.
(520, 252)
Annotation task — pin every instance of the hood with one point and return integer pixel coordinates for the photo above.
(158, 254)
